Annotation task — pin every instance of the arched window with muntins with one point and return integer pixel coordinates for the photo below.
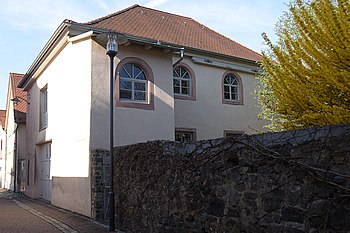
(182, 81)
(184, 84)
(232, 89)
(134, 84)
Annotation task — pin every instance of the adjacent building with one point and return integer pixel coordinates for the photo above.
(14, 160)
(175, 79)
(2, 146)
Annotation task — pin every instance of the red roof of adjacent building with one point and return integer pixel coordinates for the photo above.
(174, 29)
(21, 107)
(2, 118)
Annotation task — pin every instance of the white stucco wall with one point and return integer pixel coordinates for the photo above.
(68, 80)
(65, 194)
(33, 137)
(9, 162)
(132, 125)
(2, 159)
(207, 114)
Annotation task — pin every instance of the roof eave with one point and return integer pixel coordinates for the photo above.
(65, 25)
(159, 44)
(43, 53)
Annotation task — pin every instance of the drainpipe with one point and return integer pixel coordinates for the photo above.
(182, 50)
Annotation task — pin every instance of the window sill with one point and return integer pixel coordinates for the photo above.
(43, 128)
(184, 97)
(138, 105)
(232, 102)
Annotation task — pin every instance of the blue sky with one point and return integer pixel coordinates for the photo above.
(25, 26)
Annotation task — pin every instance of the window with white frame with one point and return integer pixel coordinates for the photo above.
(232, 89)
(182, 81)
(43, 109)
(132, 83)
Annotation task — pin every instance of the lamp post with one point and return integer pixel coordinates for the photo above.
(112, 50)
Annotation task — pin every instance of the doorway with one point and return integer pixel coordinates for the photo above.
(45, 174)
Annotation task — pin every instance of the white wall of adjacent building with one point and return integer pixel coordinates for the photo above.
(9, 162)
(2, 156)
(13, 148)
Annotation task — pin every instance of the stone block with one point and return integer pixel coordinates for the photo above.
(273, 200)
(292, 215)
(216, 207)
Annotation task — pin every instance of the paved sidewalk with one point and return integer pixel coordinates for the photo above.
(19, 213)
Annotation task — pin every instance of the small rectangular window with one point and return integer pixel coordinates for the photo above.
(232, 133)
(43, 109)
(185, 135)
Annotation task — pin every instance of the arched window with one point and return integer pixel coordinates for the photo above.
(232, 89)
(134, 84)
(184, 82)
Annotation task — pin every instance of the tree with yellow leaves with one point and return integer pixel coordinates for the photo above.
(306, 74)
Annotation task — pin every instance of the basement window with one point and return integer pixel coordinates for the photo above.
(185, 135)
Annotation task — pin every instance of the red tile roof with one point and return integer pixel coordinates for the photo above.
(20, 109)
(2, 118)
(173, 29)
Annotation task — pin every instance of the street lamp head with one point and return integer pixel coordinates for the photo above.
(18, 99)
(15, 100)
(112, 45)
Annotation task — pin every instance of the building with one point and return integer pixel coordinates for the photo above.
(2, 146)
(175, 79)
(15, 126)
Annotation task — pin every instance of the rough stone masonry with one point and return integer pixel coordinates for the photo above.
(296, 181)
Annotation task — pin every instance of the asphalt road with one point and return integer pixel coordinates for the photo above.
(19, 213)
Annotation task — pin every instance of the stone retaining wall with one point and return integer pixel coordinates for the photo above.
(99, 181)
(297, 181)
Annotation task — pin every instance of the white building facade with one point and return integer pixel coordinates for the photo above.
(163, 91)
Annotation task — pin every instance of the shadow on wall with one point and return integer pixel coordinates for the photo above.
(128, 121)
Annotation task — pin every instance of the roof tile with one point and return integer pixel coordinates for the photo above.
(2, 118)
(179, 30)
(20, 109)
